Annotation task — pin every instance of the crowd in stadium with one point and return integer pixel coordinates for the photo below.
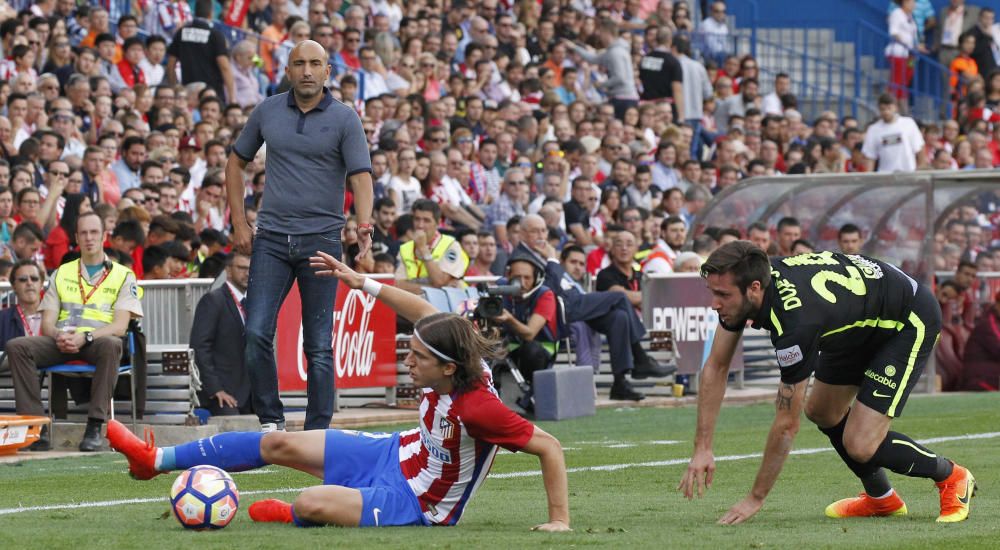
(615, 121)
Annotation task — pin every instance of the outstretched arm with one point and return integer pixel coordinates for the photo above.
(553, 463)
(698, 476)
(410, 306)
(788, 407)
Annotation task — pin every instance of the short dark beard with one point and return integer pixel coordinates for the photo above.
(746, 313)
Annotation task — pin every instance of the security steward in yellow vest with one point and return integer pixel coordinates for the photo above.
(85, 313)
(430, 259)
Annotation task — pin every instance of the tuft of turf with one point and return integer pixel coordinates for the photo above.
(634, 506)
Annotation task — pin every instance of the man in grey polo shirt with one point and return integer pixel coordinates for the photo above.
(314, 144)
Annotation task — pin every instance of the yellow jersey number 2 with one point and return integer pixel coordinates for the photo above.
(853, 281)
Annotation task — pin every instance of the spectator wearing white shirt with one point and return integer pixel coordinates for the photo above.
(772, 102)
(152, 63)
(404, 189)
(715, 33)
(665, 174)
(894, 142)
(905, 38)
(371, 83)
(456, 205)
(697, 87)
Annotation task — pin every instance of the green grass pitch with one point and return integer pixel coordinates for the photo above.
(626, 507)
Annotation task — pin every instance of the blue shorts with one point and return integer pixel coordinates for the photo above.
(369, 462)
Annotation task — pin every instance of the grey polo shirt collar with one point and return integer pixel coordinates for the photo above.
(323, 103)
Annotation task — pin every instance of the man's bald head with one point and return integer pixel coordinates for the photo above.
(308, 48)
(308, 69)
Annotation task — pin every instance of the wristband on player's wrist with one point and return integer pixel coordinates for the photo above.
(365, 228)
(372, 287)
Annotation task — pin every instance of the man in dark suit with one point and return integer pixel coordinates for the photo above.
(984, 52)
(952, 20)
(218, 338)
(27, 279)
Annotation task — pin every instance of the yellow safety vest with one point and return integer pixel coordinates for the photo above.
(641, 255)
(98, 311)
(415, 268)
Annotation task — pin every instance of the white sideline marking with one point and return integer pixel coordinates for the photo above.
(508, 475)
(727, 458)
(106, 503)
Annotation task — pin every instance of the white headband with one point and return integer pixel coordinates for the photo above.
(432, 348)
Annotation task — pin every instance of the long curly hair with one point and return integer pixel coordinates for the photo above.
(456, 336)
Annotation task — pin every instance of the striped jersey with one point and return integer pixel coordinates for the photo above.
(447, 457)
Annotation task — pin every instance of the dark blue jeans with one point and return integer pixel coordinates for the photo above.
(277, 261)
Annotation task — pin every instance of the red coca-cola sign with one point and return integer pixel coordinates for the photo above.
(363, 339)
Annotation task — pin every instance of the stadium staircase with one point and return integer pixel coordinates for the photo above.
(833, 51)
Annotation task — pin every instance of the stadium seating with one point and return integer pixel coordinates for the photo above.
(81, 369)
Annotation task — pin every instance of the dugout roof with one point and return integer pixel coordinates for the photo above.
(894, 211)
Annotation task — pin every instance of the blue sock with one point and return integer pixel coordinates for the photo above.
(299, 522)
(168, 459)
(233, 452)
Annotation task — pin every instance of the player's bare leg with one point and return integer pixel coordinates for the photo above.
(303, 451)
(330, 505)
(829, 407)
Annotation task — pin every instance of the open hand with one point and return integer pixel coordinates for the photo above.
(225, 399)
(553, 527)
(742, 511)
(698, 476)
(328, 266)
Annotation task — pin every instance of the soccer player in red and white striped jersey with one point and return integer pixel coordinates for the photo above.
(424, 476)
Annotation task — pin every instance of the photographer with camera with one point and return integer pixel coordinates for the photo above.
(608, 313)
(530, 320)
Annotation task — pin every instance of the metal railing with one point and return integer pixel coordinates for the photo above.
(846, 72)
(168, 308)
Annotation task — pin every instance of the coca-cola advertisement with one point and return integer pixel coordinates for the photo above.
(364, 342)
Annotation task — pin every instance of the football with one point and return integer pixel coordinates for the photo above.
(204, 497)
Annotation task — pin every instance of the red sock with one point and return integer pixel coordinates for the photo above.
(271, 510)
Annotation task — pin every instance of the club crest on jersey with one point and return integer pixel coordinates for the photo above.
(789, 356)
(869, 269)
(447, 428)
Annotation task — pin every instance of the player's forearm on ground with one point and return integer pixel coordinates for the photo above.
(236, 190)
(411, 307)
(711, 391)
(362, 187)
(779, 444)
(788, 407)
(553, 465)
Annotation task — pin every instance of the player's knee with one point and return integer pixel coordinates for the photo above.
(859, 447)
(276, 447)
(820, 416)
(308, 507)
